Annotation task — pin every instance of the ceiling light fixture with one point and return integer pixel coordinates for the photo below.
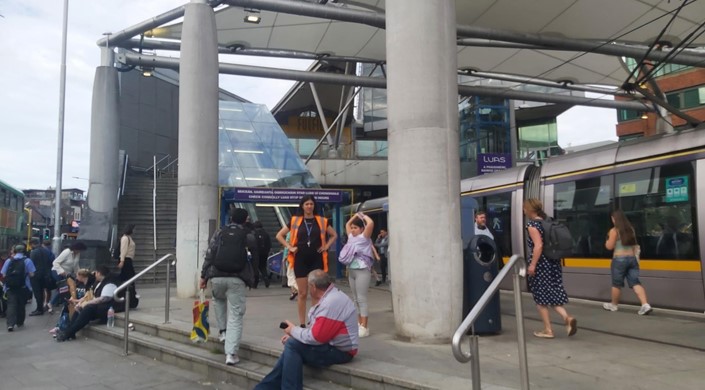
(252, 16)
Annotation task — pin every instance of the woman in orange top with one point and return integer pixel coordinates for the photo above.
(308, 247)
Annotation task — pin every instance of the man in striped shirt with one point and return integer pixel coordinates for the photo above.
(330, 338)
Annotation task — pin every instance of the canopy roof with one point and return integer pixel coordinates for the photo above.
(602, 23)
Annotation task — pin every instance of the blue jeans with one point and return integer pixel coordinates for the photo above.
(625, 267)
(288, 374)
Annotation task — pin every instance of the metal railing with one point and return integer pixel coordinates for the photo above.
(518, 265)
(126, 285)
(171, 165)
(154, 166)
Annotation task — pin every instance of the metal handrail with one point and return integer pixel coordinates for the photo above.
(154, 166)
(125, 285)
(168, 165)
(518, 265)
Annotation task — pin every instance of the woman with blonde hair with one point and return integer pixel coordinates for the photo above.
(545, 274)
(622, 240)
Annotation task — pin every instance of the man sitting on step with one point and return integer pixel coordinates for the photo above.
(330, 338)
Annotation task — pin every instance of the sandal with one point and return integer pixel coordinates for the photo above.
(543, 335)
(293, 295)
(571, 326)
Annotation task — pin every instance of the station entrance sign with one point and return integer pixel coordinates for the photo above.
(281, 195)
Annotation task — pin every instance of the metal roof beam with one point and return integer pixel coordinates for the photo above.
(374, 82)
(466, 31)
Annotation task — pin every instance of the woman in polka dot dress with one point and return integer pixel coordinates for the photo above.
(545, 275)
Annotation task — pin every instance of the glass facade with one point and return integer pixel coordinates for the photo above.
(484, 129)
(538, 141)
(255, 152)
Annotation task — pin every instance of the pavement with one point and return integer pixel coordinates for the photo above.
(611, 349)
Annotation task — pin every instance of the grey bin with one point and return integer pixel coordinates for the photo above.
(480, 267)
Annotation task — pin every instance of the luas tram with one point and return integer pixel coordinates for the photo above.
(657, 181)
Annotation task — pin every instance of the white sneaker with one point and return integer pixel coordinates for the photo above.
(362, 331)
(609, 306)
(221, 337)
(231, 360)
(645, 309)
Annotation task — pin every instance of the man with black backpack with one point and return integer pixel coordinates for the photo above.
(228, 266)
(264, 245)
(17, 270)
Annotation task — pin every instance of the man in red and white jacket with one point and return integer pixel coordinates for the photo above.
(330, 338)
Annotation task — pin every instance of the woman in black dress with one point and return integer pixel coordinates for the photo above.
(308, 244)
(545, 274)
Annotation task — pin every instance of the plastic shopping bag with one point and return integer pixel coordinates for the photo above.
(199, 332)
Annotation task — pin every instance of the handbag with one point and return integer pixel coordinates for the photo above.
(199, 332)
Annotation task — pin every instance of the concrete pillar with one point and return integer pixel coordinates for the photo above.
(103, 175)
(105, 127)
(198, 144)
(424, 171)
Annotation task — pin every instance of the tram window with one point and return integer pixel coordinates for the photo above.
(661, 206)
(584, 206)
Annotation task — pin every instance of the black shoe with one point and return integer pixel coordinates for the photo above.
(378, 283)
(10, 328)
(293, 295)
(61, 337)
(266, 283)
(36, 313)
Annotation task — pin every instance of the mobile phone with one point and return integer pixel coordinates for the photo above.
(283, 325)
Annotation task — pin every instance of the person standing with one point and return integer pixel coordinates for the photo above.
(46, 247)
(264, 245)
(382, 245)
(230, 244)
(359, 249)
(308, 247)
(42, 276)
(622, 240)
(481, 225)
(17, 272)
(126, 266)
(331, 339)
(545, 274)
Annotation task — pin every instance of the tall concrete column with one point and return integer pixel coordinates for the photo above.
(424, 169)
(198, 144)
(103, 175)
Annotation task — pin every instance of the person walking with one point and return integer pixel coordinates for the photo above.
(359, 254)
(545, 274)
(264, 245)
(17, 272)
(227, 267)
(42, 279)
(622, 240)
(308, 247)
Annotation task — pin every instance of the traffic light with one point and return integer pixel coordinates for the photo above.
(47, 234)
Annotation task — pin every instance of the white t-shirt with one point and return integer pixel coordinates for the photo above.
(484, 232)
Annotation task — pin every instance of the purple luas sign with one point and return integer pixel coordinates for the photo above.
(492, 162)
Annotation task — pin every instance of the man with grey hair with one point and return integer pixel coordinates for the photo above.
(330, 338)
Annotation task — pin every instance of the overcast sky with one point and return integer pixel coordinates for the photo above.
(30, 42)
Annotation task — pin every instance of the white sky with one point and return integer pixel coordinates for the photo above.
(30, 43)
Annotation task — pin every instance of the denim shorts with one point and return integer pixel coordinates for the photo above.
(625, 267)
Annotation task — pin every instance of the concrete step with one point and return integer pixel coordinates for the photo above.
(206, 359)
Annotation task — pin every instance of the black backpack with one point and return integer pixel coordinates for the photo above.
(231, 255)
(557, 240)
(15, 277)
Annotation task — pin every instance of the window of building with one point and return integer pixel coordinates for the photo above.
(538, 141)
(663, 69)
(687, 98)
(627, 115)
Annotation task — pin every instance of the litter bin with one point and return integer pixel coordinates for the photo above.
(479, 270)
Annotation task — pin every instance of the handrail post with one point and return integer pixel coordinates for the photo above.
(127, 319)
(475, 362)
(521, 338)
(168, 292)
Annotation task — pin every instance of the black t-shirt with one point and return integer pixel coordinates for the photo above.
(308, 238)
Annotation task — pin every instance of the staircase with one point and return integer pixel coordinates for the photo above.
(136, 208)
